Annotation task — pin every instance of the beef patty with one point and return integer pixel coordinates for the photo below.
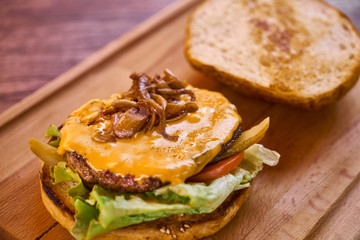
(127, 183)
(110, 180)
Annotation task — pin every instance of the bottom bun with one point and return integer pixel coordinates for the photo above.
(181, 226)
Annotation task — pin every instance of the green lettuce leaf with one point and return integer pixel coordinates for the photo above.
(104, 210)
(61, 173)
(254, 157)
(53, 131)
(85, 214)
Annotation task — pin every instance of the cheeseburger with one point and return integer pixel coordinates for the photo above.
(163, 160)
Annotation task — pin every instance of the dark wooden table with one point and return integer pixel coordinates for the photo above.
(40, 39)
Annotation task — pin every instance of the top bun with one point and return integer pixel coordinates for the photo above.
(303, 53)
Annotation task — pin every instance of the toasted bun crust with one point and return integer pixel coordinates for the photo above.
(178, 226)
(302, 53)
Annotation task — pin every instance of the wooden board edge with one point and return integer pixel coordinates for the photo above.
(155, 21)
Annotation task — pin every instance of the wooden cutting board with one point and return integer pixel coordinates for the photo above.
(314, 192)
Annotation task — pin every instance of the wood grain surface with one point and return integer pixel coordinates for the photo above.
(40, 39)
(314, 193)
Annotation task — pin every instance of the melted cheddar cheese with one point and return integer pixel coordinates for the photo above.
(201, 135)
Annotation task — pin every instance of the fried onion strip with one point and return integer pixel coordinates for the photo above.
(148, 103)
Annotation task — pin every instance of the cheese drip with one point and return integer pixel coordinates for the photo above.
(201, 135)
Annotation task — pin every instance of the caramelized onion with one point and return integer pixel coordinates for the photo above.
(122, 104)
(131, 122)
(103, 138)
(159, 99)
(149, 102)
(181, 111)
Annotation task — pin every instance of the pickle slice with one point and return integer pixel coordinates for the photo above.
(45, 152)
(247, 138)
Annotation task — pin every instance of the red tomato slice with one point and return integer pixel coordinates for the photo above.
(218, 169)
